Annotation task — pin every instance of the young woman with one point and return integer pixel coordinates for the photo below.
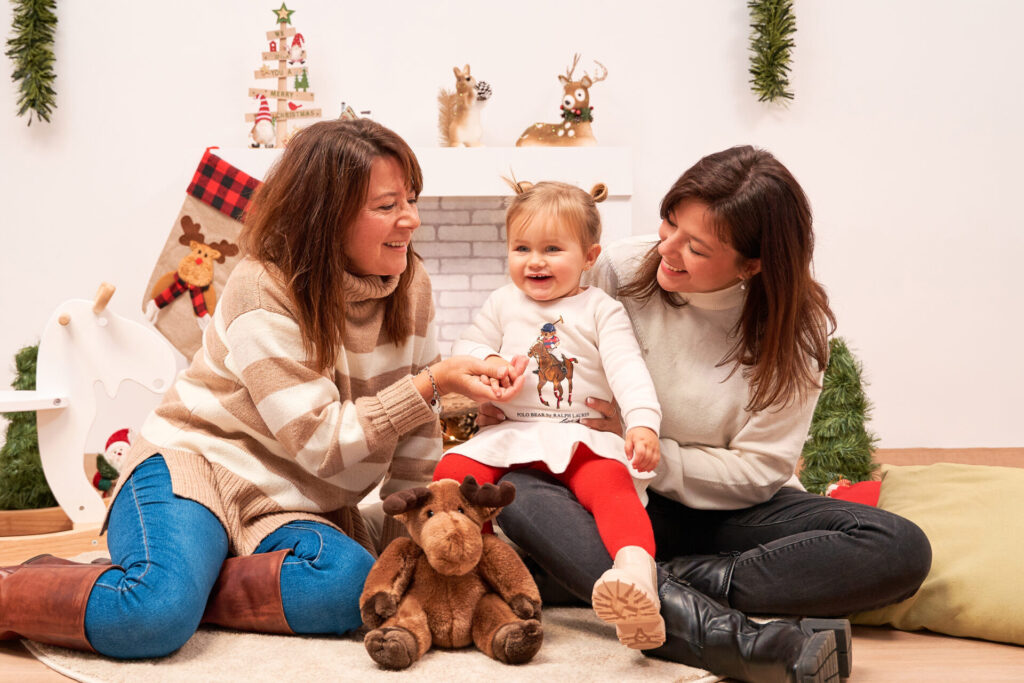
(315, 382)
(733, 328)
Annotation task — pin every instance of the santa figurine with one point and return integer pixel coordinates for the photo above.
(109, 464)
(296, 53)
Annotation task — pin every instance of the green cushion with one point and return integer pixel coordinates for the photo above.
(972, 515)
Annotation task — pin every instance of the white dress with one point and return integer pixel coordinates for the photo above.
(589, 336)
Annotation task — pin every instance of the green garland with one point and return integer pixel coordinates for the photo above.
(31, 50)
(585, 114)
(839, 445)
(22, 482)
(774, 24)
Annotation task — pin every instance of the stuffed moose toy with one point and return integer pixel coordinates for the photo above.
(450, 585)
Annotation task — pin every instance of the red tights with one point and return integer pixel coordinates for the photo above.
(603, 486)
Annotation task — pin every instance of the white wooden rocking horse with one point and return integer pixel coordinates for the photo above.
(83, 343)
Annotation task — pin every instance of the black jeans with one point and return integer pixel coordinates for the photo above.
(798, 553)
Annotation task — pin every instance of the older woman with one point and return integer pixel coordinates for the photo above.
(734, 330)
(317, 380)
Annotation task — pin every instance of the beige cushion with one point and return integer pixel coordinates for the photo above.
(973, 517)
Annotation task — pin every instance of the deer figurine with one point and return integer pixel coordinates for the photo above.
(574, 129)
(459, 112)
(193, 275)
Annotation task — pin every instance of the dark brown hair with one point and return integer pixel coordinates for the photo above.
(759, 209)
(300, 217)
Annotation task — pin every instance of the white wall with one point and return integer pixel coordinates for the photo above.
(905, 132)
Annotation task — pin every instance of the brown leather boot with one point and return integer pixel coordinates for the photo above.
(247, 595)
(45, 600)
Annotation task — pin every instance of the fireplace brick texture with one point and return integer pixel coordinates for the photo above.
(462, 243)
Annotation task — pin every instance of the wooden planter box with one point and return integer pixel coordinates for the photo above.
(27, 533)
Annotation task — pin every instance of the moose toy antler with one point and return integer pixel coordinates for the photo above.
(574, 130)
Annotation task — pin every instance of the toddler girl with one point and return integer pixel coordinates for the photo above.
(579, 341)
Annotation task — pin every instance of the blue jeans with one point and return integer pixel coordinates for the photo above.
(797, 553)
(171, 549)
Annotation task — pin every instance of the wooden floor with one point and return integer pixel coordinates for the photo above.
(881, 655)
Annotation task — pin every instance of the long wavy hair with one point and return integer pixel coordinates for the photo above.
(757, 207)
(299, 220)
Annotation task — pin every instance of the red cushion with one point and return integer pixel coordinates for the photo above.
(865, 492)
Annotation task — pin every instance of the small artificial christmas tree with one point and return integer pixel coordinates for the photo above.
(302, 81)
(839, 445)
(22, 482)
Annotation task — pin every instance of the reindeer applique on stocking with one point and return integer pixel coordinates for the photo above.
(199, 253)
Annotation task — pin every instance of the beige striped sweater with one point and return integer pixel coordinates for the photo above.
(252, 432)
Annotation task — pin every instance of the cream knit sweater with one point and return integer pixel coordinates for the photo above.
(251, 431)
(714, 454)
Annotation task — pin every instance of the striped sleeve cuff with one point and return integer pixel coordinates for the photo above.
(402, 409)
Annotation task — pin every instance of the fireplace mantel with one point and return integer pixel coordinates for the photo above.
(478, 171)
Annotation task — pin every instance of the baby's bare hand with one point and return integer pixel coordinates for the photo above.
(642, 449)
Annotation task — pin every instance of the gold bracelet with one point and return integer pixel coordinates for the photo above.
(435, 400)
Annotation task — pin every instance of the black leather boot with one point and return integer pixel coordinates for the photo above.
(702, 633)
(844, 638)
(710, 574)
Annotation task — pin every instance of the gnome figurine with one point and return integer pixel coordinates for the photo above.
(262, 132)
(297, 53)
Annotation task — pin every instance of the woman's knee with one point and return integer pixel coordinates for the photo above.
(142, 623)
(912, 559)
(322, 580)
(538, 495)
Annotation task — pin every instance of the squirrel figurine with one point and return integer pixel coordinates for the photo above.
(459, 118)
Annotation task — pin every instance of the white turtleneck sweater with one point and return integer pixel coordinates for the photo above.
(714, 453)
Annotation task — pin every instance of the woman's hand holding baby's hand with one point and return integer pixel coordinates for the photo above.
(480, 380)
(505, 381)
(642, 448)
(502, 375)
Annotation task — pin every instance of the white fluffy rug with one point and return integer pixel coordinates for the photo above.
(577, 647)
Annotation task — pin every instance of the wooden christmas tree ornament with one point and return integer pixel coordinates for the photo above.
(574, 129)
(287, 47)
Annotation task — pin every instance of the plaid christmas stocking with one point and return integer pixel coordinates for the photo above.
(199, 253)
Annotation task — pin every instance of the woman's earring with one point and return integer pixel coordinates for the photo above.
(743, 283)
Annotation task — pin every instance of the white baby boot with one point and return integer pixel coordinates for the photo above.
(627, 595)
